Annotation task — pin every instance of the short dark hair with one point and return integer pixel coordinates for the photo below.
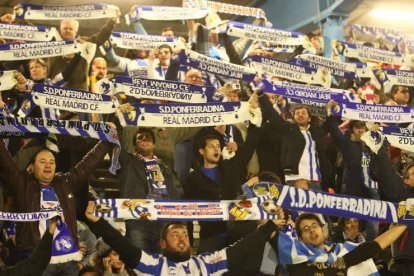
(164, 229)
(43, 149)
(89, 268)
(302, 107)
(165, 46)
(203, 141)
(142, 130)
(342, 221)
(269, 177)
(309, 216)
(355, 123)
(168, 28)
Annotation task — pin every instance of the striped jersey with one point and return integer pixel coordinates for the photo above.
(309, 167)
(203, 265)
(366, 177)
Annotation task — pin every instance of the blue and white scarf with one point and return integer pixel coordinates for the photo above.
(163, 90)
(218, 67)
(186, 115)
(279, 37)
(139, 41)
(290, 71)
(292, 251)
(77, 12)
(33, 50)
(335, 67)
(27, 32)
(164, 13)
(22, 126)
(372, 54)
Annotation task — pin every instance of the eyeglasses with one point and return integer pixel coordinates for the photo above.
(308, 228)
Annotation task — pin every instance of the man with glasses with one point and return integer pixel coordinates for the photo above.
(312, 254)
(143, 175)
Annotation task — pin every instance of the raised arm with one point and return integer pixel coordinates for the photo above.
(9, 171)
(129, 254)
(251, 246)
(80, 173)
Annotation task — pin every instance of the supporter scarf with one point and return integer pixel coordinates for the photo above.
(235, 9)
(64, 247)
(335, 67)
(138, 41)
(274, 67)
(316, 108)
(78, 12)
(186, 115)
(27, 32)
(301, 91)
(163, 90)
(262, 207)
(292, 251)
(275, 36)
(389, 77)
(402, 138)
(155, 178)
(32, 50)
(164, 13)
(374, 112)
(7, 80)
(362, 70)
(28, 216)
(98, 130)
(272, 47)
(183, 210)
(372, 54)
(72, 100)
(214, 66)
(391, 36)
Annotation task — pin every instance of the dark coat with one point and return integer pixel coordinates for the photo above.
(352, 153)
(293, 143)
(25, 190)
(199, 186)
(392, 188)
(133, 178)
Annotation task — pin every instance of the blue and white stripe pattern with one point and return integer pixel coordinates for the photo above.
(292, 251)
(99, 131)
(309, 167)
(366, 177)
(213, 264)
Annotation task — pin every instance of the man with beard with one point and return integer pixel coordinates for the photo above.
(176, 258)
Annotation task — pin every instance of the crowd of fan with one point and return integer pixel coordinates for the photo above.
(292, 146)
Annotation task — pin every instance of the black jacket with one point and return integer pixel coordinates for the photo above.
(199, 186)
(36, 263)
(392, 188)
(293, 144)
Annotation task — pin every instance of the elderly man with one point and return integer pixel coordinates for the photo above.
(69, 31)
(40, 188)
